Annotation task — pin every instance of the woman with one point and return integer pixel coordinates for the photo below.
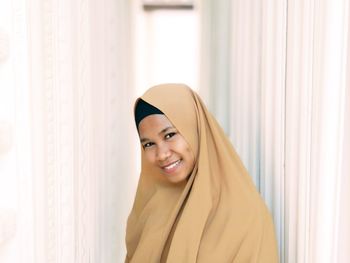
(195, 201)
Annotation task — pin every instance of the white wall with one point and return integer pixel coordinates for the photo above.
(68, 159)
(166, 46)
(15, 144)
(282, 73)
(67, 178)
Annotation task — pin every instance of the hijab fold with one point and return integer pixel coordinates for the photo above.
(216, 215)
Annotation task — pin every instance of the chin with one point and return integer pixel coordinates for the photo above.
(176, 179)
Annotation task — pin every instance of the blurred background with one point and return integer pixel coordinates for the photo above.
(276, 74)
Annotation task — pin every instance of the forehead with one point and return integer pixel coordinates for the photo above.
(153, 124)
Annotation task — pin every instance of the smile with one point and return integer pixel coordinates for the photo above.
(171, 167)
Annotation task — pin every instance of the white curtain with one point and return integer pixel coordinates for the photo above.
(72, 156)
(276, 75)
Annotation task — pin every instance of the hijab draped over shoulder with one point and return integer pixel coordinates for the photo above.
(217, 215)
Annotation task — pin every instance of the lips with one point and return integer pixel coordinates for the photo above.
(169, 168)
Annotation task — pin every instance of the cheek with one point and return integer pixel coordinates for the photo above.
(188, 154)
(150, 156)
(192, 159)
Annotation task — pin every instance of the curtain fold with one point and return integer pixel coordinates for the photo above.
(286, 107)
(253, 92)
(73, 161)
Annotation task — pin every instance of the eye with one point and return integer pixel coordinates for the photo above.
(147, 145)
(169, 135)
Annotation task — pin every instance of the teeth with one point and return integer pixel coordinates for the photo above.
(172, 165)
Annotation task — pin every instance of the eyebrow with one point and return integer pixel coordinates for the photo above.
(162, 131)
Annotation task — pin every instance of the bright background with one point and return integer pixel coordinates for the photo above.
(274, 73)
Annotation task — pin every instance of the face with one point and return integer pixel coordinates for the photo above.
(165, 148)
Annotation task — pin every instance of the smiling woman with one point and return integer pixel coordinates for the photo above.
(195, 201)
(165, 147)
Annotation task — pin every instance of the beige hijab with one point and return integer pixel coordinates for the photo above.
(215, 216)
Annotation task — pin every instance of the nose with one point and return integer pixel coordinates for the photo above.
(163, 152)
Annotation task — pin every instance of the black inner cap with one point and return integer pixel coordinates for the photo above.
(144, 109)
